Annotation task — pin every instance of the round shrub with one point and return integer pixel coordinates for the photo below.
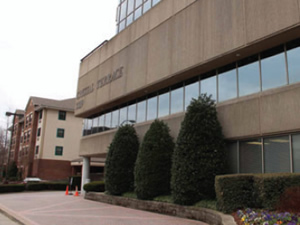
(199, 153)
(120, 160)
(95, 186)
(154, 161)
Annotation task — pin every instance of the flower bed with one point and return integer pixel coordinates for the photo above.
(265, 217)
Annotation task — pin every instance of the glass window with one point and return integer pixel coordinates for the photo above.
(101, 123)
(41, 114)
(60, 133)
(123, 10)
(59, 150)
(107, 123)
(130, 6)
(155, 2)
(277, 154)
(38, 132)
(123, 115)
(177, 99)
(62, 115)
(141, 111)
(273, 70)
(137, 13)
(249, 78)
(209, 86)
(129, 19)
(132, 112)
(293, 57)
(138, 3)
(296, 152)
(232, 157)
(89, 127)
(95, 125)
(251, 156)
(37, 150)
(227, 83)
(164, 103)
(147, 6)
(152, 108)
(122, 25)
(115, 119)
(191, 91)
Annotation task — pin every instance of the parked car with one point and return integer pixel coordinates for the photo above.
(31, 180)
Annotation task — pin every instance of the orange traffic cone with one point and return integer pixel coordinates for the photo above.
(76, 192)
(67, 190)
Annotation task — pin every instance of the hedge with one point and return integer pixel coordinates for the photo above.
(46, 186)
(252, 190)
(95, 186)
(7, 188)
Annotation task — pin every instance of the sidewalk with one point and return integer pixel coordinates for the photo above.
(4, 220)
(55, 208)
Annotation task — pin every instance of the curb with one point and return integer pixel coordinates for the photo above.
(201, 214)
(14, 216)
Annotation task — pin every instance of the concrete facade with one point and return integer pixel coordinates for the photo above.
(177, 40)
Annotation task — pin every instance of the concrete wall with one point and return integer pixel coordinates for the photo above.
(271, 112)
(180, 39)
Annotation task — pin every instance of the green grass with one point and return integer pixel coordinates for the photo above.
(129, 195)
(209, 204)
(164, 198)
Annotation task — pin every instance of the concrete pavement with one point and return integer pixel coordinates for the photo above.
(55, 208)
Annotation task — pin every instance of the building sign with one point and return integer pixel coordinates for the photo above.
(118, 73)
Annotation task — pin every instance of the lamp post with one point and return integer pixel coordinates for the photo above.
(131, 121)
(8, 114)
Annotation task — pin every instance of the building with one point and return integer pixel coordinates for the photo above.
(46, 139)
(246, 54)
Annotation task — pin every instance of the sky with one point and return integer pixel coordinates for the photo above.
(42, 43)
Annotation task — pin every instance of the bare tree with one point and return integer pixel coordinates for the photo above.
(3, 150)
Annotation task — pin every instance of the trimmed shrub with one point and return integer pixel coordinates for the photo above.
(199, 153)
(95, 186)
(120, 160)
(58, 186)
(234, 192)
(36, 186)
(7, 188)
(258, 191)
(42, 186)
(269, 188)
(154, 161)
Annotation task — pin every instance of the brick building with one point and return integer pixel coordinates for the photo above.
(46, 139)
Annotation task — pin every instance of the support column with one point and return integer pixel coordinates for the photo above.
(85, 177)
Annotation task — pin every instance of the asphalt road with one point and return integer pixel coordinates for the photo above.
(55, 208)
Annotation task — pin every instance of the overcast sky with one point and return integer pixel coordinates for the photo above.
(41, 44)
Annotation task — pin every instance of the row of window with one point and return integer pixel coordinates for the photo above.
(265, 155)
(60, 132)
(28, 120)
(130, 10)
(276, 67)
(26, 137)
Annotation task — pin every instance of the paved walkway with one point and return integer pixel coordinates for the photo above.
(54, 208)
(4, 220)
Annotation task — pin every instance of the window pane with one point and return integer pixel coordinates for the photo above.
(251, 156)
(273, 69)
(129, 19)
(177, 100)
(89, 126)
(227, 85)
(164, 104)
(232, 158)
(115, 119)
(296, 152)
(123, 115)
(191, 91)
(132, 112)
(138, 3)
(122, 25)
(101, 123)
(248, 71)
(147, 6)
(95, 125)
(152, 108)
(209, 86)
(141, 111)
(293, 56)
(107, 121)
(137, 13)
(155, 2)
(277, 154)
(123, 10)
(130, 6)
